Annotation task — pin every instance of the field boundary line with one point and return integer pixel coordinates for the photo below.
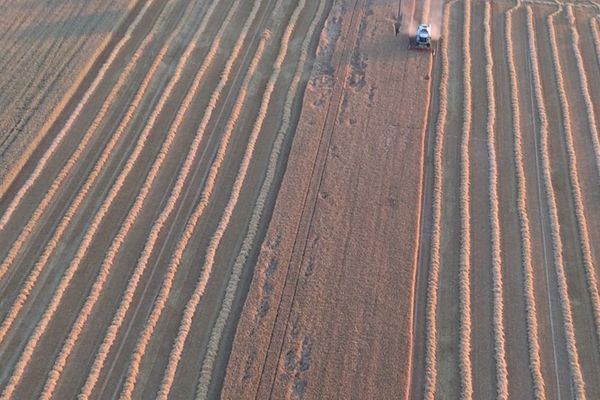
(217, 331)
(534, 349)
(578, 385)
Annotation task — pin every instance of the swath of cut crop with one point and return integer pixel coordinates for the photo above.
(53, 243)
(577, 382)
(580, 213)
(191, 306)
(219, 327)
(117, 243)
(69, 124)
(160, 302)
(90, 234)
(142, 263)
(585, 88)
(535, 361)
(465, 217)
(436, 230)
(497, 279)
(596, 36)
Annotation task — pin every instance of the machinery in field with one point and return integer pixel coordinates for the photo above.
(422, 39)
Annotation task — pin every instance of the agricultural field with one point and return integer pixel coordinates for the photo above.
(45, 53)
(507, 299)
(281, 199)
(126, 237)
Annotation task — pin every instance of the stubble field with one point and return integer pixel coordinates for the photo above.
(278, 199)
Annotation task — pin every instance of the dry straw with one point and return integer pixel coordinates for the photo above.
(95, 224)
(535, 362)
(184, 172)
(466, 372)
(574, 366)
(41, 165)
(438, 194)
(497, 279)
(163, 295)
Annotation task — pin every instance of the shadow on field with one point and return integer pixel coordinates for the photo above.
(101, 22)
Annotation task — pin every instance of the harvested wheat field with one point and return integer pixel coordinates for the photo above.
(283, 199)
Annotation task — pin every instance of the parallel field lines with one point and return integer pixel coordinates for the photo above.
(557, 246)
(438, 176)
(535, 364)
(465, 349)
(497, 279)
(95, 224)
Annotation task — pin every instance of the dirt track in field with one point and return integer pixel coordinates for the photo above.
(329, 311)
(126, 239)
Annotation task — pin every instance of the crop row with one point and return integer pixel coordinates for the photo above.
(535, 362)
(92, 230)
(497, 279)
(557, 246)
(163, 296)
(438, 194)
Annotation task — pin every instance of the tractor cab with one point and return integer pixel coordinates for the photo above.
(423, 36)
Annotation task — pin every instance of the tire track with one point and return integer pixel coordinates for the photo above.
(117, 243)
(582, 226)
(497, 279)
(67, 169)
(95, 224)
(465, 217)
(535, 361)
(68, 125)
(191, 306)
(160, 302)
(578, 385)
(585, 87)
(129, 292)
(438, 195)
(232, 286)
